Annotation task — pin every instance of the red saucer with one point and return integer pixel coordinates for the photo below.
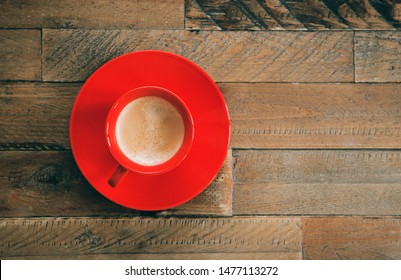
(193, 86)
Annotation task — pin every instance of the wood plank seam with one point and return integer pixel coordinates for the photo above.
(41, 55)
(353, 56)
(170, 256)
(31, 146)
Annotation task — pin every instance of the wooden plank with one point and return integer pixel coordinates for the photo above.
(47, 183)
(20, 54)
(372, 14)
(292, 15)
(317, 182)
(378, 56)
(73, 55)
(81, 236)
(103, 14)
(314, 115)
(351, 238)
(195, 16)
(170, 256)
(35, 116)
(238, 15)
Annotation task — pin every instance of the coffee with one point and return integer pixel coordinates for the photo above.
(149, 130)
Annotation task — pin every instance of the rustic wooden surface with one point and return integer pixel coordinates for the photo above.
(352, 238)
(306, 182)
(148, 235)
(139, 14)
(72, 55)
(292, 15)
(263, 115)
(20, 55)
(378, 58)
(313, 89)
(48, 183)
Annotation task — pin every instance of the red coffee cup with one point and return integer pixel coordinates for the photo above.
(116, 126)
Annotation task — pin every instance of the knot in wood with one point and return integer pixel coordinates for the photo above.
(50, 178)
(51, 174)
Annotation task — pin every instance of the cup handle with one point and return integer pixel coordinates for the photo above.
(117, 176)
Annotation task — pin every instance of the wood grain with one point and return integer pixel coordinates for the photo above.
(20, 54)
(77, 236)
(102, 14)
(352, 238)
(169, 256)
(35, 116)
(47, 183)
(317, 182)
(292, 15)
(73, 55)
(313, 92)
(378, 57)
(314, 115)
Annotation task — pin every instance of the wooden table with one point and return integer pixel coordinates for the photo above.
(313, 90)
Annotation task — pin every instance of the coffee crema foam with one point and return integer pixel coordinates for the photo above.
(150, 130)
